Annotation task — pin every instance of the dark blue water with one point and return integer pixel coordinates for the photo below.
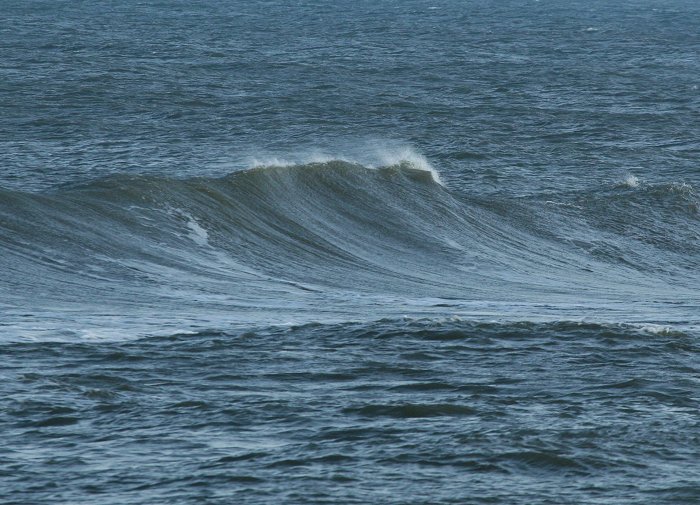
(367, 252)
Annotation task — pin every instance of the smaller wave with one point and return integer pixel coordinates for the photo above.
(465, 329)
(412, 410)
(631, 181)
(650, 227)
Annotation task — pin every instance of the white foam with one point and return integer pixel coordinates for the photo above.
(291, 159)
(407, 154)
(682, 187)
(196, 232)
(199, 235)
(631, 181)
(454, 245)
(657, 329)
(371, 154)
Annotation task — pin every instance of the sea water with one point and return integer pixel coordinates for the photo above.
(350, 252)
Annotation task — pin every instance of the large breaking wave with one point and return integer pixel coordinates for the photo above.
(338, 241)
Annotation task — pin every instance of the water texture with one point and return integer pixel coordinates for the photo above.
(368, 252)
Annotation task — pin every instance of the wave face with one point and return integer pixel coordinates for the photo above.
(336, 241)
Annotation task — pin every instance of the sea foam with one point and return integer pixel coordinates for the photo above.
(375, 154)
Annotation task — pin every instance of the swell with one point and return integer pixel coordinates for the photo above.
(653, 229)
(338, 235)
(273, 219)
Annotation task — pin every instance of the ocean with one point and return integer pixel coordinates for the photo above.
(406, 252)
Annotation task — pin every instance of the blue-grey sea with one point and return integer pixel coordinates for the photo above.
(350, 252)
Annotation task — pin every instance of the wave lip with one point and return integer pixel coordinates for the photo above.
(374, 156)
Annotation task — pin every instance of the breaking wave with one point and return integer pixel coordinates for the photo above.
(327, 240)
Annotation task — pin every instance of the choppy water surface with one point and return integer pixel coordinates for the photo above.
(382, 252)
(409, 411)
